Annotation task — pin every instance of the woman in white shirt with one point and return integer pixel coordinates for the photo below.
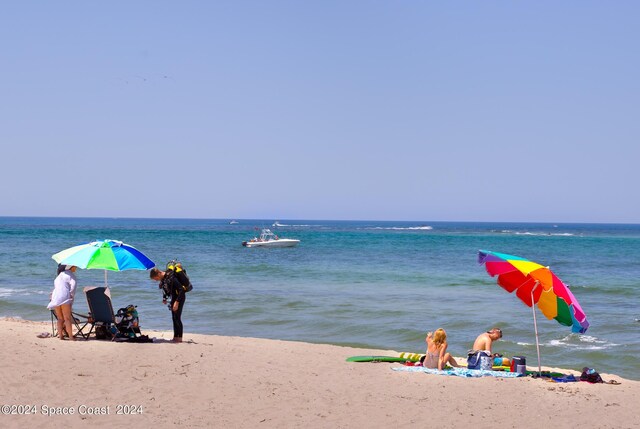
(64, 290)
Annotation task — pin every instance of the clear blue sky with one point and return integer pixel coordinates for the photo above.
(403, 110)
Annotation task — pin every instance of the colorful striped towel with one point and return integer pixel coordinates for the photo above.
(460, 372)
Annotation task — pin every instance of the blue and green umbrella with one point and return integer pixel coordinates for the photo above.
(111, 255)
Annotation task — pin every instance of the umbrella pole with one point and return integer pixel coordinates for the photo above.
(535, 327)
(105, 279)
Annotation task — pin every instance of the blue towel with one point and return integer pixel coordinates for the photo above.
(460, 372)
(565, 379)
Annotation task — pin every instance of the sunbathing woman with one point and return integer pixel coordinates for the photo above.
(437, 356)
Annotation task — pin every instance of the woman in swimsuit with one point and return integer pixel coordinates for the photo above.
(437, 356)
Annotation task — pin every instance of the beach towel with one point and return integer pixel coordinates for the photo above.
(460, 372)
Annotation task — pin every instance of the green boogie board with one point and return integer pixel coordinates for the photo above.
(376, 359)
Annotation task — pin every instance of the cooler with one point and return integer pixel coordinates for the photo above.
(518, 360)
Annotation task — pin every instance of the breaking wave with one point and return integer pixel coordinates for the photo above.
(537, 234)
(405, 228)
(582, 342)
(7, 292)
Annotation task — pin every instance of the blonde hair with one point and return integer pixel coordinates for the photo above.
(496, 331)
(439, 337)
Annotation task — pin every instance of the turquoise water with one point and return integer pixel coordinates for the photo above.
(372, 284)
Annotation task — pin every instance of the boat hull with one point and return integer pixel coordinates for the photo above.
(283, 242)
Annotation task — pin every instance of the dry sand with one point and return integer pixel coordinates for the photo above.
(231, 382)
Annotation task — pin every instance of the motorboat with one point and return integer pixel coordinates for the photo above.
(234, 222)
(269, 239)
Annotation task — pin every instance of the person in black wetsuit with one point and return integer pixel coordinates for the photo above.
(171, 288)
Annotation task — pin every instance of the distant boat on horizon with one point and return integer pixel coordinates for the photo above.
(234, 222)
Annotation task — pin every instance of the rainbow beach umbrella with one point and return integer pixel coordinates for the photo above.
(536, 284)
(111, 255)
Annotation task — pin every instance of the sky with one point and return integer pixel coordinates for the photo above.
(369, 110)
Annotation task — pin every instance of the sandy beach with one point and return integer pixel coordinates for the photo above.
(232, 382)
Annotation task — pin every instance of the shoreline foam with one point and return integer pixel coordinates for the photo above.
(215, 381)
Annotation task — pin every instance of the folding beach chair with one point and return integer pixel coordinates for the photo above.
(100, 309)
(79, 320)
(121, 326)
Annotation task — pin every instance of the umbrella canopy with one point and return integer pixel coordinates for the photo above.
(536, 284)
(105, 255)
(110, 255)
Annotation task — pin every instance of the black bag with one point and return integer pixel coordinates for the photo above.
(175, 269)
(139, 339)
(102, 331)
(590, 375)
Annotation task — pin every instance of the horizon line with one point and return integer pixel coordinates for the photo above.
(317, 220)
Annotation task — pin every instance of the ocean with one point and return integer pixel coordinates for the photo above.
(356, 283)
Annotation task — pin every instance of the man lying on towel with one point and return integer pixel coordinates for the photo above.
(480, 357)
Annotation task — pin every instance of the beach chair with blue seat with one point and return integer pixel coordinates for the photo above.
(100, 311)
(107, 324)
